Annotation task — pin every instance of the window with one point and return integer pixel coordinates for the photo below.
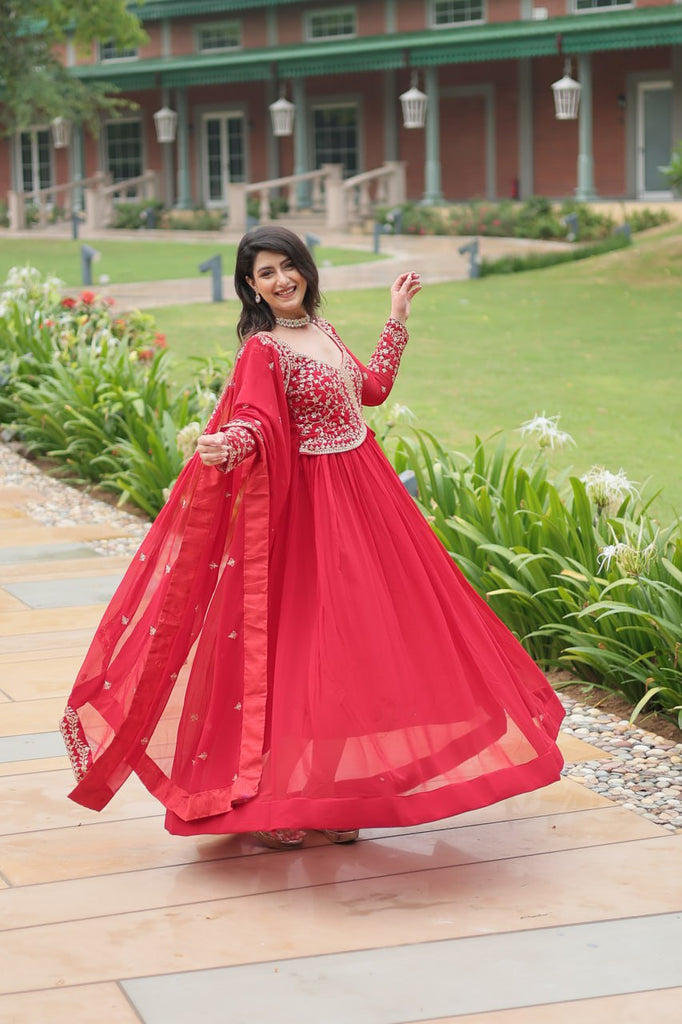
(36, 163)
(594, 5)
(226, 35)
(456, 12)
(336, 137)
(224, 153)
(109, 51)
(339, 23)
(123, 141)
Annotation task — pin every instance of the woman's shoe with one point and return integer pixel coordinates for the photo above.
(341, 835)
(281, 838)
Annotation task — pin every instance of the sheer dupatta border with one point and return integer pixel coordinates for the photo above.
(158, 610)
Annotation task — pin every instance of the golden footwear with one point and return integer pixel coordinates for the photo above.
(341, 835)
(281, 838)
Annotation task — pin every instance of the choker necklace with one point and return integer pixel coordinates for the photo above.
(285, 321)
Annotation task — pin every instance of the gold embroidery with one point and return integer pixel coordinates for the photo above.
(77, 747)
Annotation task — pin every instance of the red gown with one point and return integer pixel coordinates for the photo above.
(292, 646)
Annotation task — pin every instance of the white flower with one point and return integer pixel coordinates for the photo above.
(187, 438)
(546, 431)
(607, 490)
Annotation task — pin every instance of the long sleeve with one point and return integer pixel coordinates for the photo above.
(241, 443)
(379, 375)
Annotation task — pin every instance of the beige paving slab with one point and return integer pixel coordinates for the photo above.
(575, 751)
(9, 603)
(63, 569)
(48, 620)
(662, 1006)
(86, 1004)
(12, 496)
(42, 764)
(20, 532)
(45, 646)
(38, 679)
(21, 717)
(553, 889)
(207, 868)
(31, 803)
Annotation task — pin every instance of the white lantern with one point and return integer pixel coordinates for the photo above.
(165, 122)
(61, 132)
(414, 103)
(566, 96)
(282, 116)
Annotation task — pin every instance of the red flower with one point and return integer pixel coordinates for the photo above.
(68, 302)
(145, 354)
(48, 323)
(109, 301)
(119, 324)
(87, 298)
(160, 340)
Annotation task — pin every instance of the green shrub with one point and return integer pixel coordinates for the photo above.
(91, 390)
(193, 220)
(131, 215)
(539, 260)
(4, 214)
(643, 220)
(588, 584)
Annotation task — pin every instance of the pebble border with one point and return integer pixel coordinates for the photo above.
(643, 773)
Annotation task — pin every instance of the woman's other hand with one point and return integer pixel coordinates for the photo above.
(212, 449)
(403, 291)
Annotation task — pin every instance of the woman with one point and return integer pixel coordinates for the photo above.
(292, 648)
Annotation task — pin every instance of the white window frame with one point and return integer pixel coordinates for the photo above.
(601, 7)
(19, 162)
(324, 13)
(223, 115)
(118, 59)
(456, 24)
(225, 25)
(337, 103)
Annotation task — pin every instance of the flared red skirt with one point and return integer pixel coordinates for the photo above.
(394, 694)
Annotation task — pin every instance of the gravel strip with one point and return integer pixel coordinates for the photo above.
(61, 505)
(643, 773)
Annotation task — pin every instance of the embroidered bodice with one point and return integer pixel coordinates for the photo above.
(325, 402)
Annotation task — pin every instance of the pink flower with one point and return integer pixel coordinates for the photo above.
(68, 302)
(87, 298)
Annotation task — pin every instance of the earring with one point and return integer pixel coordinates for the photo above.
(257, 296)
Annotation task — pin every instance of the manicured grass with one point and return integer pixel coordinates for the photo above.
(598, 342)
(140, 259)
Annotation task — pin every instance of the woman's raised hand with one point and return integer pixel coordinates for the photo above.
(212, 449)
(403, 290)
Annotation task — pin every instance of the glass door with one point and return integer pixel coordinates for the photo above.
(654, 138)
(36, 159)
(224, 155)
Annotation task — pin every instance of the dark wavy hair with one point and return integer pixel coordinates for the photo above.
(257, 316)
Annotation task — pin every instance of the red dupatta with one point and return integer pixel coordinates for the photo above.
(175, 683)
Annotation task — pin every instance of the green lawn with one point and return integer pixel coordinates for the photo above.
(144, 260)
(598, 342)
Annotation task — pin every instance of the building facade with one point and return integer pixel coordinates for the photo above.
(487, 67)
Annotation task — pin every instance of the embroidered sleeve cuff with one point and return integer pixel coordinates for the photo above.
(240, 441)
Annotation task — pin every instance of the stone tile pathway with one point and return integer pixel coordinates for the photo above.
(554, 906)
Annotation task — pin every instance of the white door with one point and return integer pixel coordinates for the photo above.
(654, 138)
(224, 155)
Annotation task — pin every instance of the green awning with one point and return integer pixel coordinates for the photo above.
(595, 32)
(155, 10)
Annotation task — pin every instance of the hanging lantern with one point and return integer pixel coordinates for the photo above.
(165, 123)
(282, 115)
(566, 96)
(61, 132)
(414, 103)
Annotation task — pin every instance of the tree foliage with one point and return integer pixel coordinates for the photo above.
(35, 85)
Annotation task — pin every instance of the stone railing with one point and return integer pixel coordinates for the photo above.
(384, 186)
(324, 190)
(45, 200)
(100, 201)
(299, 190)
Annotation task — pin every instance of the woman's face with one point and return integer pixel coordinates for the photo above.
(279, 283)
